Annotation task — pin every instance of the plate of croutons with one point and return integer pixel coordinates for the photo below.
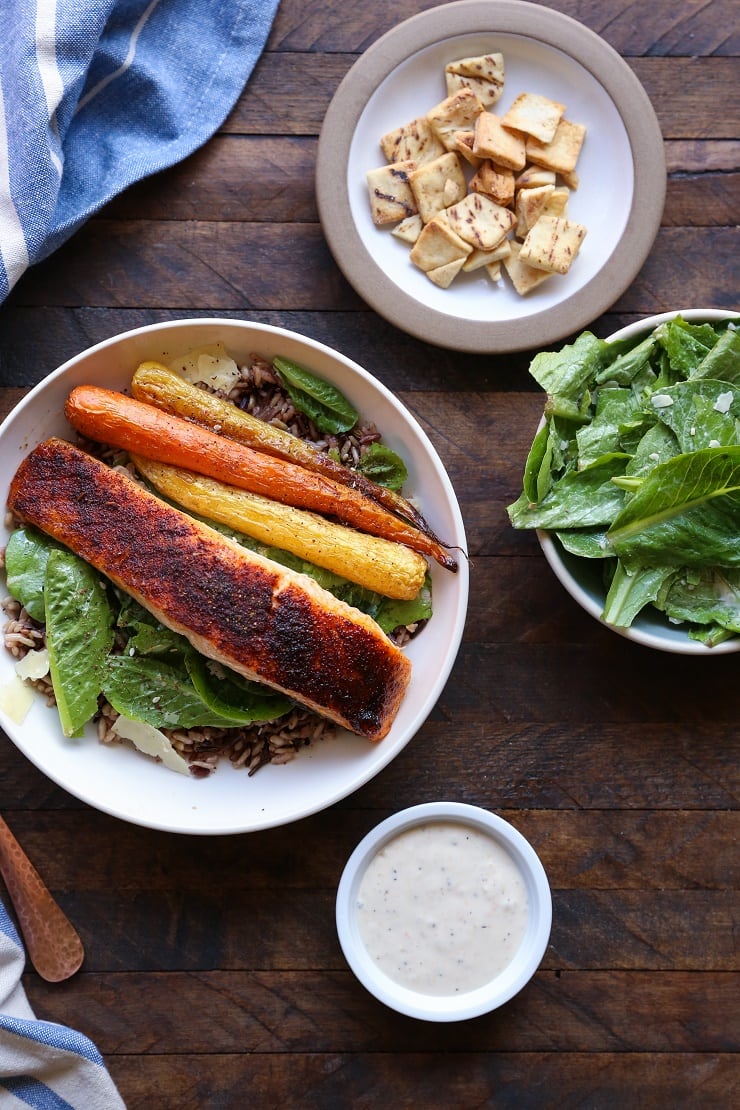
(490, 177)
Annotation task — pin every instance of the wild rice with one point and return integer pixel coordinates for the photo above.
(258, 391)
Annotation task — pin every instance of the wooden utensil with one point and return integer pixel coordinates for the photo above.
(54, 947)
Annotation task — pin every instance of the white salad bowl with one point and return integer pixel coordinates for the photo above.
(582, 577)
(462, 891)
(117, 779)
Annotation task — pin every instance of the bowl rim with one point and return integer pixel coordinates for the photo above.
(511, 979)
(344, 767)
(553, 552)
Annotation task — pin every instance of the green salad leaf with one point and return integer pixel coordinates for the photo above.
(79, 636)
(383, 466)
(637, 465)
(26, 555)
(316, 398)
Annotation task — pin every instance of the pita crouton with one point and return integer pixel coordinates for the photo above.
(529, 206)
(569, 178)
(494, 271)
(480, 221)
(557, 202)
(477, 258)
(562, 152)
(524, 278)
(534, 176)
(464, 147)
(552, 244)
(415, 141)
(456, 113)
(444, 275)
(437, 185)
(535, 115)
(483, 74)
(492, 140)
(438, 245)
(497, 182)
(409, 229)
(391, 198)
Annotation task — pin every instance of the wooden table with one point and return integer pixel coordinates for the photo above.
(213, 975)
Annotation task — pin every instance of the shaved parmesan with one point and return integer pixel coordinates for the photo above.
(210, 365)
(33, 665)
(16, 698)
(150, 741)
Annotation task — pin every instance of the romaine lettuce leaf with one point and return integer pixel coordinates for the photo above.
(79, 635)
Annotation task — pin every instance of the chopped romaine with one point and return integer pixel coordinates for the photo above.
(637, 464)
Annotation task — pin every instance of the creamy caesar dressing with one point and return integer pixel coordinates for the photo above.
(442, 908)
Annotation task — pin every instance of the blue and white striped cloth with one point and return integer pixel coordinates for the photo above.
(43, 1064)
(97, 95)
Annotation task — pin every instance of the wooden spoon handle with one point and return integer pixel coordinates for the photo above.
(54, 947)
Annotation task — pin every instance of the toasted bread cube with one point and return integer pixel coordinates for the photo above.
(529, 206)
(414, 141)
(464, 147)
(456, 113)
(562, 152)
(438, 245)
(409, 229)
(436, 185)
(569, 179)
(479, 258)
(557, 202)
(497, 182)
(524, 278)
(483, 74)
(534, 176)
(552, 244)
(504, 147)
(535, 115)
(480, 221)
(443, 276)
(391, 197)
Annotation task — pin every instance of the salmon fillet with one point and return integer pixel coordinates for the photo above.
(268, 623)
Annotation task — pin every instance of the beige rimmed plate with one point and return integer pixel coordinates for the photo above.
(621, 169)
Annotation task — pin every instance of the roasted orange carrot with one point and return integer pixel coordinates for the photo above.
(157, 385)
(121, 421)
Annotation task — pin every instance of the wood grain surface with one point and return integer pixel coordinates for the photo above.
(213, 975)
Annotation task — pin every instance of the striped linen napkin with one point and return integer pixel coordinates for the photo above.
(43, 1064)
(98, 95)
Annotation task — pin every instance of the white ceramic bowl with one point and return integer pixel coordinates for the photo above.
(582, 577)
(509, 981)
(120, 781)
(621, 171)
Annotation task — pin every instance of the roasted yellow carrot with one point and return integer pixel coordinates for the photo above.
(381, 565)
(157, 385)
(121, 421)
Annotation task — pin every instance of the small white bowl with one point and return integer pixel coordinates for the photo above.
(507, 982)
(582, 577)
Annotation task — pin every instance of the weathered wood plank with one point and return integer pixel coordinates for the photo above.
(527, 763)
(508, 1081)
(233, 177)
(254, 266)
(293, 1011)
(690, 29)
